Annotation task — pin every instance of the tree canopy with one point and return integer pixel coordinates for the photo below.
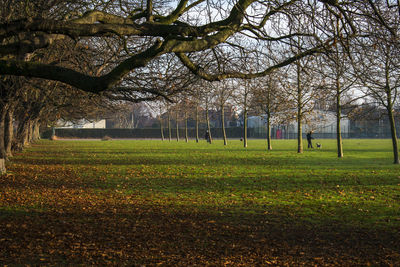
(134, 34)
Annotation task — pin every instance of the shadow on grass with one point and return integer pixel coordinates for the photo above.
(56, 177)
(268, 160)
(61, 220)
(140, 234)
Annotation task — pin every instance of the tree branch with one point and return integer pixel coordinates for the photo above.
(79, 80)
(217, 77)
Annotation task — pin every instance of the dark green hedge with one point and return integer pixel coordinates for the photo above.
(151, 133)
(146, 133)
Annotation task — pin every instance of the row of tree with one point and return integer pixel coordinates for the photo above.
(298, 52)
(333, 81)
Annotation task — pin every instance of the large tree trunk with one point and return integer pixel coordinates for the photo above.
(269, 130)
(245, 128)
(223, 125)
(9, 132)
(34, 134)
(30, 133)
(393, 133)
(22, 134)
(36, 131)
(338, 122)
(3, 154)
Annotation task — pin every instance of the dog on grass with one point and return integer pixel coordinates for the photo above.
(319, 145)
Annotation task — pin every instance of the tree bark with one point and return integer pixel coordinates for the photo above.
(9, 132)
(269, 144)
(223, 125)
(393, 133)
(208, 122)
(177, 127)
(186, 128)
(299, 112)
(161, 129)
(35, 133)
(338, 121)
(299, 136)
(245, 128)
(22, 134)
(133, 119)
(169, 126)
(3, 154)
(389, 107)
(197, 123)
(149, 10)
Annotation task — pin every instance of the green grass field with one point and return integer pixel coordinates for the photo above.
(152, 202)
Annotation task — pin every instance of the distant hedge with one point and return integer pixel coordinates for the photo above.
(152, 133)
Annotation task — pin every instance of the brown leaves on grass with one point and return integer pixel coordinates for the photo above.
(54, 214)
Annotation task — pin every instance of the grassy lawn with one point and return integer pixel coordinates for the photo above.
(152, 202)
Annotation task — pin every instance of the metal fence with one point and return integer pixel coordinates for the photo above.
(232, 133)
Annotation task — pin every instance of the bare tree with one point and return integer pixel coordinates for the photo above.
(301, 91)
(145, 33)
(242, 96)
(268, 100)
(207, 100)
(377, 65)
(336, 70)
(223, 92)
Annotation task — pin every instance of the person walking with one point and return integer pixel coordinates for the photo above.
(207, 137)
(309, 138)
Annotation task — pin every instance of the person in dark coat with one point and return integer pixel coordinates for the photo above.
(309, 138)
(207, 137)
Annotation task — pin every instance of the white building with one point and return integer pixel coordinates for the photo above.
(82, 124)
(322, 122)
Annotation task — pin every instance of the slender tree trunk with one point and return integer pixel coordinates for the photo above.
(339, 140)
(223, 125)
(9, 132)
(208, 123)
(389, 108)
(197, 123)
(393, 133)
(299, 112)
(186, 128)
(245, 128)
(169, 127)
(269, 130)
(177, 127)
(299, 135)
(161, 129)
(338, 122)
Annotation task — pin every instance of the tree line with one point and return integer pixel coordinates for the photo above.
(64, 58)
